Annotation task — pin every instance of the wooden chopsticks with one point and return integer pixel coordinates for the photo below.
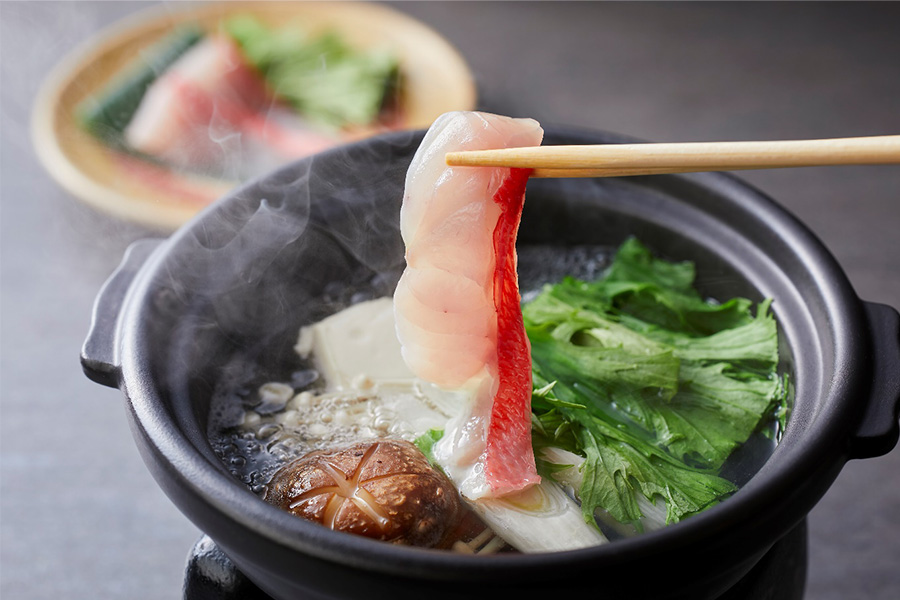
(620, 160)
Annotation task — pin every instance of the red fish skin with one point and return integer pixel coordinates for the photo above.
(197, 108)
(241, 81)
(509, 456)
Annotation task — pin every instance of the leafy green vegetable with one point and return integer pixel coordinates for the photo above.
(661, 293)
(652, 384)
(426, 442)
(324, 79)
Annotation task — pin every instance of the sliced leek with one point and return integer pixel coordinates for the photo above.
(542, 518)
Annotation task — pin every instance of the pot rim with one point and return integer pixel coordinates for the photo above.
(812, 457)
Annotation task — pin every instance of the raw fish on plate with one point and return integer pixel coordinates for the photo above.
(211, 111)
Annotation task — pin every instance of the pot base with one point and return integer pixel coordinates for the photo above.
(779, 575)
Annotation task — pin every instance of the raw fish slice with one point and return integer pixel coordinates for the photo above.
(217, 66)
(431, 362)
(428, 172)
(459, 226)
(210, 109)
(458, 190)
(429, 296)
(173, 124)
(409, 309)
(181, 103)
(459, 232)
(446, 292)
(457, 341)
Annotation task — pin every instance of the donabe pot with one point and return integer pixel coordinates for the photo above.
(173, 325)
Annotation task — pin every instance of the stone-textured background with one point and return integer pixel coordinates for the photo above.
(81, 516)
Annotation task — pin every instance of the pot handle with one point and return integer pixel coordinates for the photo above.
(878, 431)
(100, 355)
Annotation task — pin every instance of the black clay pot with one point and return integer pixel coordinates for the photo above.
(233, 286)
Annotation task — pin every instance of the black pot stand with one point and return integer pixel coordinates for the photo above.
(779, 575)
(210, 575)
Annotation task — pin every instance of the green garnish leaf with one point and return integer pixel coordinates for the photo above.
(652, 384)
(426, 442)
(322, 77)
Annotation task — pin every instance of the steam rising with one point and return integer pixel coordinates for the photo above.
(298, 245)
(230, 292)
(282, 252)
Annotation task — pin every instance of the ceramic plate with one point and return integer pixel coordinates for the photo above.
(436, 80)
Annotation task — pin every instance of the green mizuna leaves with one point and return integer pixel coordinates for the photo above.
(652, 384)
(322, 77)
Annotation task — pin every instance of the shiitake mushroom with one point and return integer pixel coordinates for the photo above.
(383, 489)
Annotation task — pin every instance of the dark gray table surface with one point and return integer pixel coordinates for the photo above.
(81, 516)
